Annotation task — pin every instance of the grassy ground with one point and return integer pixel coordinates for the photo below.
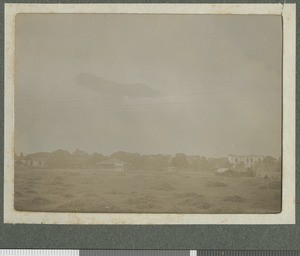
(107, 191)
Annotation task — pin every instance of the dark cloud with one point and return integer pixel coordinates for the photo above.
(110, 88)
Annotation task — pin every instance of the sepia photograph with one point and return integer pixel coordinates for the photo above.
(148, 113)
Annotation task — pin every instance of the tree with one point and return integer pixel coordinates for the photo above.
(132, 158)
(201, 163)
(269, 163)
(157, 162)
(95, 158)
(180, 161)
(59, 159)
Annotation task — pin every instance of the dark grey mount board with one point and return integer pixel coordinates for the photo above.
(225, 237)
(135, 253)
(248, 253)
(184, 253)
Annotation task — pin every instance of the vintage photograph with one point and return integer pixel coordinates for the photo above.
(148, 113)
(137, 113)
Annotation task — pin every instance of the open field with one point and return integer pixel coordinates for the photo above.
(89, 190)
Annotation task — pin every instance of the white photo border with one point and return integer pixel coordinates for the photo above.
(288, 213)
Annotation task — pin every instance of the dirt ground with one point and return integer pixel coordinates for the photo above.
(144, 192)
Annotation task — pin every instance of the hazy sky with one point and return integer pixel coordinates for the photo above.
(197, 84)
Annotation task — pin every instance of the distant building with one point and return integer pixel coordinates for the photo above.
(113, 164)
(37, 160)
(222, 170)
(247, 161)
(20, 161)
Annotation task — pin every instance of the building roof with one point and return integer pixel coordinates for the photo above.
(113, 161)
(221, 170)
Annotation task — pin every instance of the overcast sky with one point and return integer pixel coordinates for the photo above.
(197, 84)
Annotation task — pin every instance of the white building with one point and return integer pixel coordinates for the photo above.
(37, 162)
(247, 161)
(113, 164)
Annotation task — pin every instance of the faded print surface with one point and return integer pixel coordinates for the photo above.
(148, 113)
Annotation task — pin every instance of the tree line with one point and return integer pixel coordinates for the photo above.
(159, 162)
